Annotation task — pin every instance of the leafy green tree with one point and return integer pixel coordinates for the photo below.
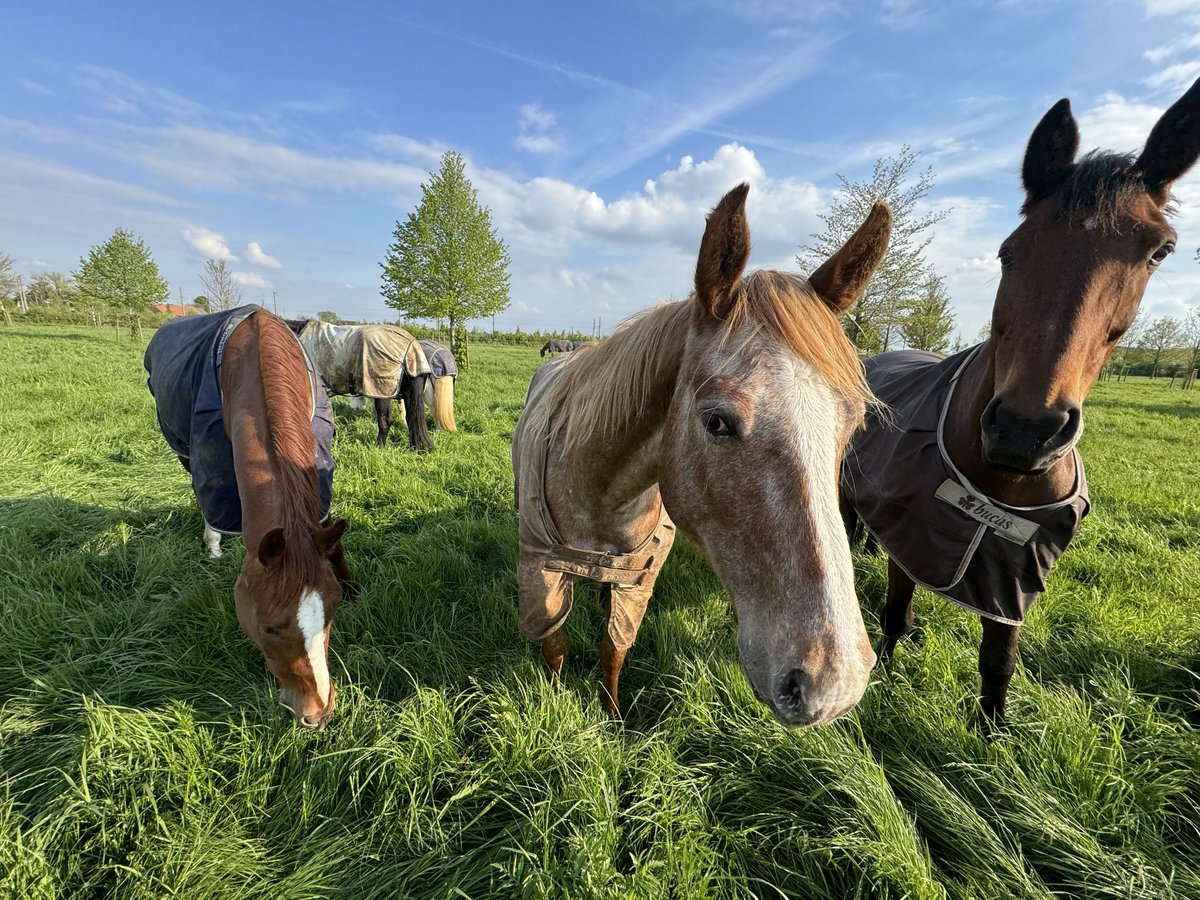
(930, 320)
(1162, 334)
(1191, 333)
(875, 320)
(121, 273)
(447, 260)
(219, 287)
(52, 289)
(8, 278)
(202, 302)
(328, 315)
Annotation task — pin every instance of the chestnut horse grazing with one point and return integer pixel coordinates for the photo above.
(239, 403)
(973, 485)
(726, 413)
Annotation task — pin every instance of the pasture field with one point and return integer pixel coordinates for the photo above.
(143, 755)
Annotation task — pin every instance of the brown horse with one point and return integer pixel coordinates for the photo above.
(1072, 278)
(261, 426)
(727, 413)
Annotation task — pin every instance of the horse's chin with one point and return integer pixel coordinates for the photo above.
(1014, 465)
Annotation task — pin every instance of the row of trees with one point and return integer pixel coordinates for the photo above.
(1164, 344)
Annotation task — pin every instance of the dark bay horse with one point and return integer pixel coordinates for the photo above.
(726, 413)
(238, 403)
(973, 486)
(383, 362)
(557, 346)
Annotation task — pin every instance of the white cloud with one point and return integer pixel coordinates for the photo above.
(1179, 76)
(1117, 124)
(207, 243)
(348, 286)
(250, 279)
(256, 256)
(535, 126)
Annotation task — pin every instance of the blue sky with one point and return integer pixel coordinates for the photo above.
(290, 137)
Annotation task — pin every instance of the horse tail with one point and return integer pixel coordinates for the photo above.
(412, 392)
(439, 394)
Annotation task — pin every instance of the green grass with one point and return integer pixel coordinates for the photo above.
(143, 754)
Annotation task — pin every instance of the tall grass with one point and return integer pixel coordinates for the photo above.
(143, 754)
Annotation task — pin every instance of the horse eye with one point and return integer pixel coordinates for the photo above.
(716, 425)
(270, 629)
(1160, 254)
(1006, 258)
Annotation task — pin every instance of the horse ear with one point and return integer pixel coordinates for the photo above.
(724, 251)
(270, 548)
(329, 537)
(1173, 145)
(1050, 155)
(843, 277)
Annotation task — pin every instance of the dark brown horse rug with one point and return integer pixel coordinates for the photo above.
(948, 536)
(183, 360)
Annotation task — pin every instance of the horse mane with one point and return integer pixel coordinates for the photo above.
(584, 400)
(1100, 185)
(287, 397)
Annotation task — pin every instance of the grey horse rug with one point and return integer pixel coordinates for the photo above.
(184, 362)
(369, 360)
(549, 567)
(947, 535)
(441, 361)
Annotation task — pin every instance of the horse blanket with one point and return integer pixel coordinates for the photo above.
(441, 360)
(549, 567)
(183, 360)
(369, 360)
(947, 535)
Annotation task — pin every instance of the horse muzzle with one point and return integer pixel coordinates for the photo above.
(1028, 444)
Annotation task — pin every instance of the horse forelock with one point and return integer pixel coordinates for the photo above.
(287, 397)
(1100, 190)
(610, 383)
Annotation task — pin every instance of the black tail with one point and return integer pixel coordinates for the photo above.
(412, 392)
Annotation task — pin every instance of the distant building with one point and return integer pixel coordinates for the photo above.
(178, 309)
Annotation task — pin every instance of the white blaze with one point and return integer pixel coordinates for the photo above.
(310, 616)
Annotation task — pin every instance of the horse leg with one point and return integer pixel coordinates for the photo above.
(186, 463)
(383, 418)
(612, 661)
(997, 660)
(554, 651)
(897, 619)
(212, 539)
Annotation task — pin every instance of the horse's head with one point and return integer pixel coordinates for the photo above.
(286, 596)
(769, 392)
(1072, 277)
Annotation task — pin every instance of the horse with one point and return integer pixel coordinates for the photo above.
(556, 346)
(973, 484)
(725, 414)
(238, 401)
(439, 388)
(377, 361)
(578, 345)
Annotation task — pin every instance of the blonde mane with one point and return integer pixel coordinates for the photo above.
(617, 380)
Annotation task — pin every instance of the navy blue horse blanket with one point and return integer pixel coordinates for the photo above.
(184, 363)
(441, 360)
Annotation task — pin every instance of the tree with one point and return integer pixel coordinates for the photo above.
(447, 260)
(202, 302)
(1161, 334)
(1191, 333)
(930, 319)
(8, 278)
(52, 289)
(876, 318)
(120, 273)
(328, 315)
(219, 288)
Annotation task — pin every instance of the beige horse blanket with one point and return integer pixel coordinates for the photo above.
(369, 360)
(549, 566)
(946, 534)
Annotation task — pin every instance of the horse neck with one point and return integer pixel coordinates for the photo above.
(963, 437)
(268, 483)
(612, 473)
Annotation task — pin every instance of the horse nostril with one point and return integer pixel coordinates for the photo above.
(988, 421)
(793, 688)
(311, 721)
